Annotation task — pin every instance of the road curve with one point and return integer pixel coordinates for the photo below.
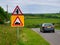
(52, 38)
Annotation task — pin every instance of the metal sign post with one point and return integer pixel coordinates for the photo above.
(17, 33)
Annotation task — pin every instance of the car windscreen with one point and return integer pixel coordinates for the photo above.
(48, 25)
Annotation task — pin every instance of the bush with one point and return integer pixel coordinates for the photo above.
(1, 22)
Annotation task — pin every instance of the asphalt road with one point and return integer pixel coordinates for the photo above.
(52, 38)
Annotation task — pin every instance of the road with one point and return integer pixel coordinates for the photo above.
(52, 38)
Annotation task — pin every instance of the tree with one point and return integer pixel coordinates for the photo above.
(3, 15)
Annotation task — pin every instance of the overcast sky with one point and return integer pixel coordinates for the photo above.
(32, 6)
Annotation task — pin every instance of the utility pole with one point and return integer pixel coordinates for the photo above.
(7, 8)
(7, 11)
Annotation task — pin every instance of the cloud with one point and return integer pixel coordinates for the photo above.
(45, 2)
(26, 6)
(41, 9)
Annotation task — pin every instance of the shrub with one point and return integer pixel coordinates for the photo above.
(1, 22)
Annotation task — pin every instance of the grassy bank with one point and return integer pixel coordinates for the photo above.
(27, 37)
(32, 38)
(7, 35)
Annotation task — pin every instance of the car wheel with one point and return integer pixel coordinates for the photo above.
(43, 31)
(40, 31)
(53, 31)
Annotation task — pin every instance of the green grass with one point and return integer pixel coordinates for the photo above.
(32, 38)
(27, 37)
(40, 21)
(33, 22)
(7, 35)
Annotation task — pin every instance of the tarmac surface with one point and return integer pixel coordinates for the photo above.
(52, 38)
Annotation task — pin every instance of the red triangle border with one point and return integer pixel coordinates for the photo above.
(19, 10)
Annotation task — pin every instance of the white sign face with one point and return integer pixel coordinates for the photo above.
(17, 21)
(17, 11)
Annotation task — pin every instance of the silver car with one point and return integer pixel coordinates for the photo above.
(45, 27)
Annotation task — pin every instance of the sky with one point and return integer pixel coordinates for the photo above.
(32, 6)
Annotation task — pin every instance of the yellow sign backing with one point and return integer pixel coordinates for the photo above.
(17, 21)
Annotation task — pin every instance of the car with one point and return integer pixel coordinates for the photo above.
(47, 27)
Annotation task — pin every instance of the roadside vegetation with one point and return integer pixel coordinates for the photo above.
(35, 20)
(27, 37)
(4, 16)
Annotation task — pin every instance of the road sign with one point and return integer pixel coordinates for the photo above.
(17, 21)
(17, 18)
(17, 11)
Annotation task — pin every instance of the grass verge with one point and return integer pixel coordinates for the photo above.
(27, 37)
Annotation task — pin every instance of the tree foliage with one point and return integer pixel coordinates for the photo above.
(3, 15)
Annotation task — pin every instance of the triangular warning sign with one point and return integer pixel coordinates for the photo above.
(17, 22)
(17, 11)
